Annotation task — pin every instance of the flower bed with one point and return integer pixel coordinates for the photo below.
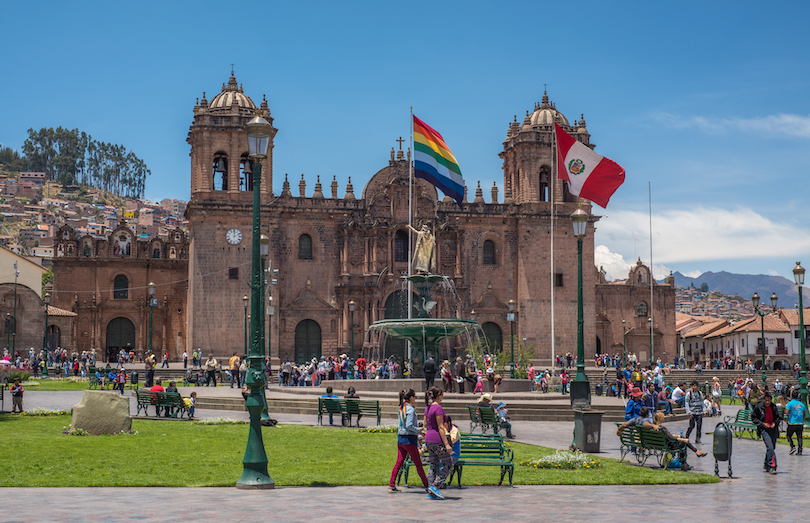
(390, 429)
(39, 411)
(563, 459)
(218, 421)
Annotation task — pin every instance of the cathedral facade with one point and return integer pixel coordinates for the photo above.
(332, 250)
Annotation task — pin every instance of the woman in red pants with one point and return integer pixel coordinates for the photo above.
(407, 439)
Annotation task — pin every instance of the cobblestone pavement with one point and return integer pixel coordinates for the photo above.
(751, 496)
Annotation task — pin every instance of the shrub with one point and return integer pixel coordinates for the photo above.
(22, 374)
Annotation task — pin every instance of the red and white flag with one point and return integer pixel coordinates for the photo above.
(588, 174)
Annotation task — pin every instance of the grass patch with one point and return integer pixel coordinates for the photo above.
(176, 453)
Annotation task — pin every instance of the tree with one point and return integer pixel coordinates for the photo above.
(704, 287)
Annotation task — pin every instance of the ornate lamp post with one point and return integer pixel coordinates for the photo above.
(47, 299)
(511, 318)
(152, 300)
(580, 387)
(798, 277)
(245, 302)
(352, 305)
(755, 301)
(624, 344)
(254, 471)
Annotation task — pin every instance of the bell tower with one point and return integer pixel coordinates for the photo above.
(220, 166)
(528, 152)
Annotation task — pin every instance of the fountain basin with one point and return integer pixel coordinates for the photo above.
(424, 331)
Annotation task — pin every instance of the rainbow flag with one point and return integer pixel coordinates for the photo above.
(433, 161)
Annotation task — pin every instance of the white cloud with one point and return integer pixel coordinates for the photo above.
(616, 268)
(701, 234)
(613, 263)
(772, 272)
(692, 274)
(775, 125)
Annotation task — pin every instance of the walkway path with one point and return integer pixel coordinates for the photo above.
(751, 496)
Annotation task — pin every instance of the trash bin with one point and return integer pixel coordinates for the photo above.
(587, 430)
(598, 389)
(133, 378)
(721, 446)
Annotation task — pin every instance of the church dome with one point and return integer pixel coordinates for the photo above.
(546, 114)
(230, 93)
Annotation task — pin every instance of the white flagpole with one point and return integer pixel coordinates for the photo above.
(652, 278)
(410, 243)
(552, 183)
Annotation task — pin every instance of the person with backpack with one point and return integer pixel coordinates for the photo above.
(693, 403)
(407, 439)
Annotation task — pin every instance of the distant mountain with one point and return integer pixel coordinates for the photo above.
(745, 285)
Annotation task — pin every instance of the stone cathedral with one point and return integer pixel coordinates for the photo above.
(332, 247)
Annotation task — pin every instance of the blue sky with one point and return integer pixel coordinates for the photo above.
(706, 103)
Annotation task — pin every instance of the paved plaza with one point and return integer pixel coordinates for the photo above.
(751, 496)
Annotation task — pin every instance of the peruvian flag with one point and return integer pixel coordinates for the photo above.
(588, 175)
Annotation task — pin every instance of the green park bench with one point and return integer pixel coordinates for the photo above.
(476, 450)
(645, 443)
(484, 417)
(169, 401)
(741, 423)
(348, 408)
(483, 451)
(362, 408)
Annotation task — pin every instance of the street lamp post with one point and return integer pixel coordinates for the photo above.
(624, 344)
(245, 302)
(650, 326)
(151, 288)
(580, 387)
(511, 318)
(45, 341)
(755, 301)
(798, 276)
(254, 463)
(352, 305)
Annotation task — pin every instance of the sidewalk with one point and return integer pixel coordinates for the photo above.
(751, 496)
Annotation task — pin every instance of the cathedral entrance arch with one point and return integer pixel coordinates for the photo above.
(120, 335)
(307, 341)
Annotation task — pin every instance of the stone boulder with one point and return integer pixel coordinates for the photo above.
(102, 412)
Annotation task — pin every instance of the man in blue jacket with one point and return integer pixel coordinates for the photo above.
(634, 405)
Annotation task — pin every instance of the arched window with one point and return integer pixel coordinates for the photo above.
(220, 172)
(305, 247)
(401, 246)
(494, 336)
(121, 287)
(489, 252)
(641, 309)
(307, 341)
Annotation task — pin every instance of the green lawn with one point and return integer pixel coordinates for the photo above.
(33, 452)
